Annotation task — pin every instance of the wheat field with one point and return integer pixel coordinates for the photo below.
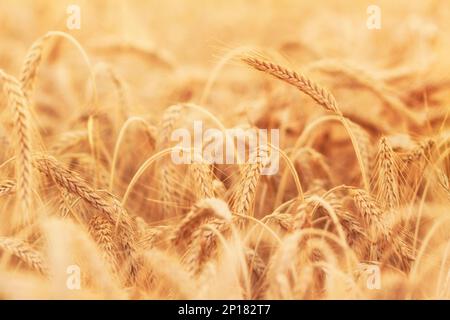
(93, 207)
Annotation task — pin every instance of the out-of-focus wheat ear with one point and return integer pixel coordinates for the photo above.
(219, 189)
(285, 221)
(257, 268)
(244, 195)
(65, 202)
(22, 119)
(68, 242)
(201, 211)
(68, 140)
(301, 82)
(119, 85)
(31, 64)
(366, 80)
(7, 187)
(34, 56)
(386, 176)
(422, 152)
(151, 236)
(352, 226)
(279, 265)
(167, 273)
(169, 118)
(442, 179)
(25, 253)
(205, 244)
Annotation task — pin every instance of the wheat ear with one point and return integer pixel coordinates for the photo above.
(103, 233)
(169, 119)
(203, 180)
(34, 56)
(244, 195)
(301, 82)
(109, 206)
(202, 210)
(387, 176)
(24, 252)
(18, 102)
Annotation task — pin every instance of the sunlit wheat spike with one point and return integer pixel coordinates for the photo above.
(203, 180)
(31, 64)
(102, 231)
(301, 82)
(244, 195)
(18, 103)
(387, 176)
